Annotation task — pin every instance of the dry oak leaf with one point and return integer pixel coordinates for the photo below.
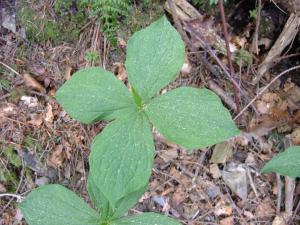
(32, 83)
(57, 157)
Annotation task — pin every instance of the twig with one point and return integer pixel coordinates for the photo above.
(224, 96)
(295, 213)
(264, 89)
(18, 197)
(254, 47)
(186, 39)
(279, 193)
(289, 195)
(288, 33)
(5, 96)
(177, 23)
(226, 36)
(11, 69)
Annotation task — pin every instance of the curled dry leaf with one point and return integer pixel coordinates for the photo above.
(68, 71)
(57, 157)
(296, 136)
(32, 83)
(215, 171)
(120, 71)
(36, 119)
(222, 152)
(235, 176)
(227, 221)
(49, 114)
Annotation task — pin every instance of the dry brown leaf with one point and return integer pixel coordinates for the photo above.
(223, 209)
(36, 119)
(122, 43)
(7, 109)
(227, 221)
(168, 155)
(49, 114)
(32, 83)
(120, 71)
(235, 176)
(221, 153)
(179, 196)
(282, 219)
(265, 209)
(68, 71)
(296, 136)
(215, 171)
(57, 157)
(2, 188)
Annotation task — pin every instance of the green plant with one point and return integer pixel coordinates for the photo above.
(286, 163)
(91, 56)
(108, 12)
(122, 154)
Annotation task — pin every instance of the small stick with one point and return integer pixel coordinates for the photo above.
(254, 47)
(289, 195)
(18, 197)
(279, 193)
(264, 89)
(224, 96)
(11, 69)
(232, 73)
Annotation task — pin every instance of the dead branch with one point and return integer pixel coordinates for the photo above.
(285, 38)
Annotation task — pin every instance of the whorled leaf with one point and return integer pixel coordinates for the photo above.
(286, 163)
(146, 219)
(94, 94)
(56, 205)
(122, 159)
(191, 117)
(154, 57)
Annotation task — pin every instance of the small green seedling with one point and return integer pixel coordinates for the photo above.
(122, 154)
(286, 163)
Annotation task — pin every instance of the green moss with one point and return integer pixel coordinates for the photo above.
(141, 16)
(41, 26)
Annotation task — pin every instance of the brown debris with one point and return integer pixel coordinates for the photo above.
(32, 83)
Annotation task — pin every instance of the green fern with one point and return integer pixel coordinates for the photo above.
(109, 13)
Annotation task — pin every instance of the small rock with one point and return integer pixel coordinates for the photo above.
(42, 181)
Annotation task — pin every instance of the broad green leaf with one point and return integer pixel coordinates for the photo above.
(98, 198)
(191, 117)
(121, 160)
(121, 207)
(146, 219)
(154, 57)
(93, 94)
(56, 205)
(286, 163)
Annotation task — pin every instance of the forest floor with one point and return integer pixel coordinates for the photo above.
(41, 144)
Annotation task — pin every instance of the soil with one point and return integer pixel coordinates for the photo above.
(41, 144)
